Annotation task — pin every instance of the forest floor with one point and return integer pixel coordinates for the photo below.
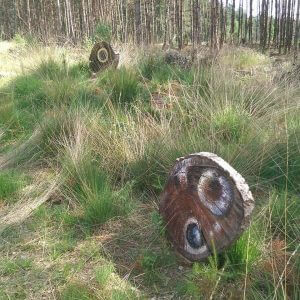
(83, 161)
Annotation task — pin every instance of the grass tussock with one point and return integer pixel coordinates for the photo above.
(11, 182)
(96, 196)
(114, 140)
(243, 59)
(122, 85)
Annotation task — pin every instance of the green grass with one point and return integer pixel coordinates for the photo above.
(154, 68)
(76, 291)
(96, 196)
(51, 85)
(100, 234)
(103, 273)
(121, 85)
(285, 213)
(11, 182)
(79, 70)
(245, 253)
(29, 92)
(26, 40)
(11, 267)
(282, 161)
(123, 295)
(230, 124)
(242, 59)
(153, 264)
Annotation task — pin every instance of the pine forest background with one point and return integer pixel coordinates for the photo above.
(267, 23)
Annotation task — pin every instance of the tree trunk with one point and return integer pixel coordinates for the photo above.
(203, 190)
(297, 32)
(250, 22)
(137, 17)
(232, 19)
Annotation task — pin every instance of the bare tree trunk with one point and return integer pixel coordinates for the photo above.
(270, 25)
(246, 24)
(297, 31)
(137, 17)
(28, 16)
(250, 22)
(59, 14)
(232, 19)
(178, 21)
(214, 25)
(225, 22)
(275, 31)
(282, 26)
(196, 22)
(239, 21)
(222, 24)
(287, 27)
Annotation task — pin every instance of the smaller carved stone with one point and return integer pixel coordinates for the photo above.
(102, 56)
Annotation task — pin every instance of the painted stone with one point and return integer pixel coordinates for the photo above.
(102, 56)
(206, 204)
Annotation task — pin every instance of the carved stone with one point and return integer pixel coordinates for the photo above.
(102, 56)
(206, 205)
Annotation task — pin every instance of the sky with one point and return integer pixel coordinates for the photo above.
(255, 4)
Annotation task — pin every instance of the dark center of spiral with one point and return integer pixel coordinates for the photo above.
(215, 192)
(193, 235)
(102, 54)
(212, 188)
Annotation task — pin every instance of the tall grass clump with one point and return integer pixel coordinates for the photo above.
(44, 144)
(79, 70)
(52, 85)
(25, 40)
(155, 68)
(92, 189)
(102, 32)
(103, 273)
(28, 93)
(284, 212)
(11, 182)
(14, 123)
(277, 274)
(122, 85)
(282, 163)
(75, 290)
(149, 65)
(230, 124)
(242, 59)
(246, 252)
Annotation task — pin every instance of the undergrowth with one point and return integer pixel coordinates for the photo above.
(114, 148)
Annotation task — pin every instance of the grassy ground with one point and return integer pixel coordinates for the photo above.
(108, 144)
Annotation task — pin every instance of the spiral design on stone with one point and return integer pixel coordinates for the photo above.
(102, 56)
(215, 192)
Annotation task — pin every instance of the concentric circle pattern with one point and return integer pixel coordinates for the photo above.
(102, 56)
(206, 205)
